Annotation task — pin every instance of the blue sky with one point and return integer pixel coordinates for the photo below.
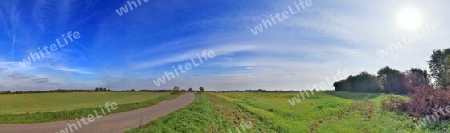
(132, 50)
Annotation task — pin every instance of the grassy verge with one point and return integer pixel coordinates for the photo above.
(77, 113)
(322, 112)
(229, 117)
(207, 113)
(195, 118)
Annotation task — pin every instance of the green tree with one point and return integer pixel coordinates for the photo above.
(190, 89)
(176, 90)
(364, 82)
(342, 85)
(393, 81)
(417, 77)
(438, 69)
(202, 89)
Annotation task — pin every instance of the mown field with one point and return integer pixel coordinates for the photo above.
(44, 107)
(323, 112)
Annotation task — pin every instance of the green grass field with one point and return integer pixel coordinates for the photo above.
(51, 102)
(207, 114)
(44, 107)
(323, 112)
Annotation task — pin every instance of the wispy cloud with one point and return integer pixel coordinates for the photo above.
(72, 70)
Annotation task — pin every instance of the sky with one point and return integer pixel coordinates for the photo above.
(324, 42)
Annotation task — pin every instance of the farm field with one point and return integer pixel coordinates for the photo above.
(44, 107)
(323, 112)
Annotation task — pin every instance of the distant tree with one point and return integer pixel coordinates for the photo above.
(190, 89)
(393, 81)
(97, 89)
(417, 77)
(202, 89)
(364, 82)
(342, 85)
(133, 90)
(176, 90)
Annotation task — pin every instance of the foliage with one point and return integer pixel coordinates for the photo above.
(393, 81)
(176, 90)
(426, 100)
(417, 77)
(202, 89)
(363, 82)
(394, 104)
(101, 89)
(342, 85)
(439, 68)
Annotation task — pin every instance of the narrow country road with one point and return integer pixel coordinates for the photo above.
(114, 123)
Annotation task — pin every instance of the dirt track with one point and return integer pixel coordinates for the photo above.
(114, 123)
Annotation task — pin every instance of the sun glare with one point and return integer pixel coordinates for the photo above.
(409, 19)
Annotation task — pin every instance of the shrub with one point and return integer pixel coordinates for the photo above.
(394, 104)
(176, 90)
(426, 100)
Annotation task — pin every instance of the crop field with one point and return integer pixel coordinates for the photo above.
(322, 112)
(51, 102)
(43, 107)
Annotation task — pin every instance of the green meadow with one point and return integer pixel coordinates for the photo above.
(44, 107)
(207, 114)
(322, 112)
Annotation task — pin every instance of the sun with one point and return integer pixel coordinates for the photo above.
(409, 18)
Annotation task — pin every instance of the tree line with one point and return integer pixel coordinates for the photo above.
(390, 80)
(387, 80)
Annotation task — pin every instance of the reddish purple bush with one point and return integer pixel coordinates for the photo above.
(426, 100)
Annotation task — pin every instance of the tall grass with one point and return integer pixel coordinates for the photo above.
(323, 113)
